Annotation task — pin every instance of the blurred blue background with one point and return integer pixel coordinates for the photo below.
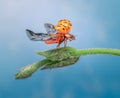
(96, 23)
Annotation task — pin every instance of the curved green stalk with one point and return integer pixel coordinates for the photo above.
(61, 57)
(90, 51)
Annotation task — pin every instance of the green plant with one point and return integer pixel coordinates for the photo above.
(61, 57)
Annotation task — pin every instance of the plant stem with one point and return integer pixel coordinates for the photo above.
(91, 51)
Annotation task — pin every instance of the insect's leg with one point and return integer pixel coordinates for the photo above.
(58, 51)
(59, 42)
(58, 45)
(65, 43)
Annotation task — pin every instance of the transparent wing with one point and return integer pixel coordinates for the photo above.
(37, 36)
(50, 28)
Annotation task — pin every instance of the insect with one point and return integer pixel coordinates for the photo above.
(58, 33)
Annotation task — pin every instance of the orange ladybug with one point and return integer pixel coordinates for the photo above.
(55, 33)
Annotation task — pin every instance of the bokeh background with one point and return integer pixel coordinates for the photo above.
(96, 23)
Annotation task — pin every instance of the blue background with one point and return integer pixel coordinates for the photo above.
(96, 24)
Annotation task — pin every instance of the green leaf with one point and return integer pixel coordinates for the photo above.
(59, 54)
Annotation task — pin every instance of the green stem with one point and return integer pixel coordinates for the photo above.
(90, 51)
(58, 58)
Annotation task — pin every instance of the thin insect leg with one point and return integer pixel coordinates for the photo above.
(65, 44)
(58, 45)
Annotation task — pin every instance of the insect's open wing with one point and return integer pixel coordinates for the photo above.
(37, 36)
(41, 36)
(50, 28)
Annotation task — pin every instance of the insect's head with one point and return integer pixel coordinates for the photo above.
(63, 26)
